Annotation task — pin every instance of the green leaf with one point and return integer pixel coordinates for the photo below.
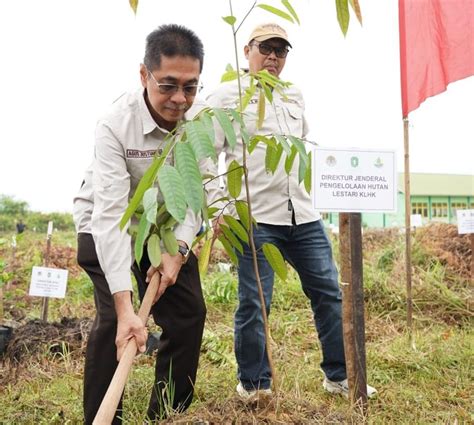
(290, 159)
(169, 223)
(272, 158)
(287, 4)
(145, 183)
(189, 169)
(211, 211)
(172, 188)
(253, 144)
(274, 10)
(205, 215)
(228, 248)
(308, 176)
(226, 125)
(134, 5)
(229, 76)
(198, 136)
(267, 91)
(271, 79)
(342, 8)
(243, 213)
(301, 170)
(270, 141)
(208, 124)
(204, 256)
(162, 216)
(169, 241)
(237, 228)
(281, 139)
(234, 178)
(229, 19)
(154, 250)
(142, 233)
(275, 259)
(243, 129)
(261, 109)
(249, 92)
(150, 204)
(298, 143)
(231, 238)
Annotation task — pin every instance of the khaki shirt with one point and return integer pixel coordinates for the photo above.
(270, 194)
(126, 140)
(83, 204)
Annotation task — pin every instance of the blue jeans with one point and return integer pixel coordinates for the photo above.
(307, 248)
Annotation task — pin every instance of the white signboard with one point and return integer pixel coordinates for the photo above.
(354, 180)
(48, 282)
(416, 220)
(465, 221)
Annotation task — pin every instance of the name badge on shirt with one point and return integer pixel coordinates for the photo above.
(135, 153)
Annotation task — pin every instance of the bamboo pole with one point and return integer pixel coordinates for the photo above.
(408, 269)
(109, 404)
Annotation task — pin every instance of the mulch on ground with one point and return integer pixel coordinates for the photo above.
(37, 337)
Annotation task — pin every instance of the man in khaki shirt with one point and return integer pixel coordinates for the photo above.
(285, 216)
(127, 138)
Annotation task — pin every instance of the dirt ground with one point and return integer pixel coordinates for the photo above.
(34, 337)
(453, 250)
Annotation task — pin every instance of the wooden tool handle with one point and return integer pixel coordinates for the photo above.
(109, 404)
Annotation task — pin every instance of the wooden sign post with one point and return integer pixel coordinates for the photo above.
(44, 310)
(350, 248)
(351, 181)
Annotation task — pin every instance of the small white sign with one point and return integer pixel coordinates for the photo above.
(354, 180)
(416, 220)
(48, 282)
(465, 221)
(50, 229)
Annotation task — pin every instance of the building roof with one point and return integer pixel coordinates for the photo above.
(426, 184)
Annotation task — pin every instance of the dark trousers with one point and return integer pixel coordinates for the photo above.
(180, 313)
(307, 248)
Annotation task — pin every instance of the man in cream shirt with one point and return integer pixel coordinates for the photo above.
(285, 216)
(127, 138)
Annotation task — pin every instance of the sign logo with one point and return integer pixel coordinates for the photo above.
(355, 161)
(378, 162)
(331, 161)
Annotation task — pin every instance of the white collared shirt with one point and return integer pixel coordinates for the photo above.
(273, 196)
(126, 138)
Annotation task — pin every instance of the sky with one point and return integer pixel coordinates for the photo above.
(64, 62)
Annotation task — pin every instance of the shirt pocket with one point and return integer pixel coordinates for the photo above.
(294, 119)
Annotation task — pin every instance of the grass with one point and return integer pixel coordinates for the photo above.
(430, 382)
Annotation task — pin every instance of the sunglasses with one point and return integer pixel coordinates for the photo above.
(266, 49)
(189, 90)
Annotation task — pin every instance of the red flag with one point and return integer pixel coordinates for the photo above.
(436, 47)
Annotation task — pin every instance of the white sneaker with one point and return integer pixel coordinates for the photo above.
(252, 395)
(342, 387)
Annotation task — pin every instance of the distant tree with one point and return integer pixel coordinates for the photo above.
(12, 207)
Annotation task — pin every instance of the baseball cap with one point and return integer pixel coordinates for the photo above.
(266, 31)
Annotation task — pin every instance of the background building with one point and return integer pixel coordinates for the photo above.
(436, 197)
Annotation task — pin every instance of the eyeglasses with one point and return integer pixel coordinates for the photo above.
(266, 49)
(189, 90)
